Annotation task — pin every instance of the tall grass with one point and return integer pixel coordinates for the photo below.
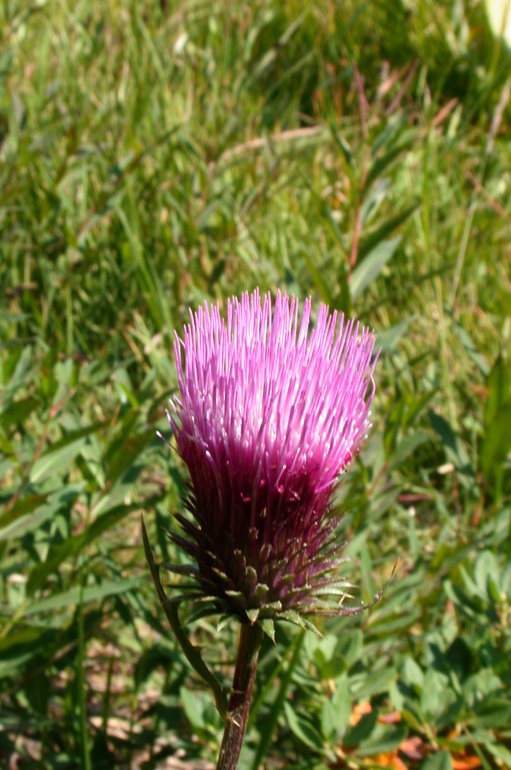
(153, 155)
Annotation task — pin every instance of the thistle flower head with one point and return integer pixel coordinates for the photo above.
(267, 417)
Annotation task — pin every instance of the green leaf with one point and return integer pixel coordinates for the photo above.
(499, 391)
(436, 694)
(342, 143)
(192, 706)
(500, 752)
(412, 674)
(21, 507)
(28, 524)
(21, 646)
(441, 760)
(407, 447)
(17, 411)
(20, 371)
(383, 738)
(366, 272)
(412, 717)
(336, 711)
(454, 447)
(493, 713)
(303, 729)
(364, 687)
(486, 567)
(73, 545)
(84, 596)
(389, 339)
(56, 460)
(360, 732)
(384, 160)
(126, 448)
(371, 241)
(299, 620)
(473, 353)
(497, 442)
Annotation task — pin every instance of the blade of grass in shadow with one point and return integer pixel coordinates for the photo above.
(271, 721)
(82, 705)
(368, 270)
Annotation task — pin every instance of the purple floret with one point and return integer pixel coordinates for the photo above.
(268, 417)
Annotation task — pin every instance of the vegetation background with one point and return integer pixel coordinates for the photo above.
(157, 154)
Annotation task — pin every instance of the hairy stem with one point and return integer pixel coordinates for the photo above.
(239, 702)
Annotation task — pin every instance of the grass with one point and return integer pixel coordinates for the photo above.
(155, 156)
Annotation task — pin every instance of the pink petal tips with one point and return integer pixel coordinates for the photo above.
(269, 414)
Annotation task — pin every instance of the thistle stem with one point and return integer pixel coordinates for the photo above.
(239, 702)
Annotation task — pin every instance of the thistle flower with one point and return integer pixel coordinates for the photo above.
(267, 418)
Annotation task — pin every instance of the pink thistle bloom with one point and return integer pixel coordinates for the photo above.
(268, 417)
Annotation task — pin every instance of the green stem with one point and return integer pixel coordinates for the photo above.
(248, 652)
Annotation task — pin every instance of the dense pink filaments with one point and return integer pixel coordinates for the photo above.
(268, 417)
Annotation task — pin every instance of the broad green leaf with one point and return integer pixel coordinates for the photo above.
(486, 567)
(492, 713)
(362, 731)
(496, 443)
(384, 738)
(304, 730)
(412, 674)
(363, 687)
(20, 371)
(336, 711)
(350, 646)
(21, 507)
(193, 707)
(57, 460)
(27, 524)
(436, 694)
(21, 525)
(441, 760)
